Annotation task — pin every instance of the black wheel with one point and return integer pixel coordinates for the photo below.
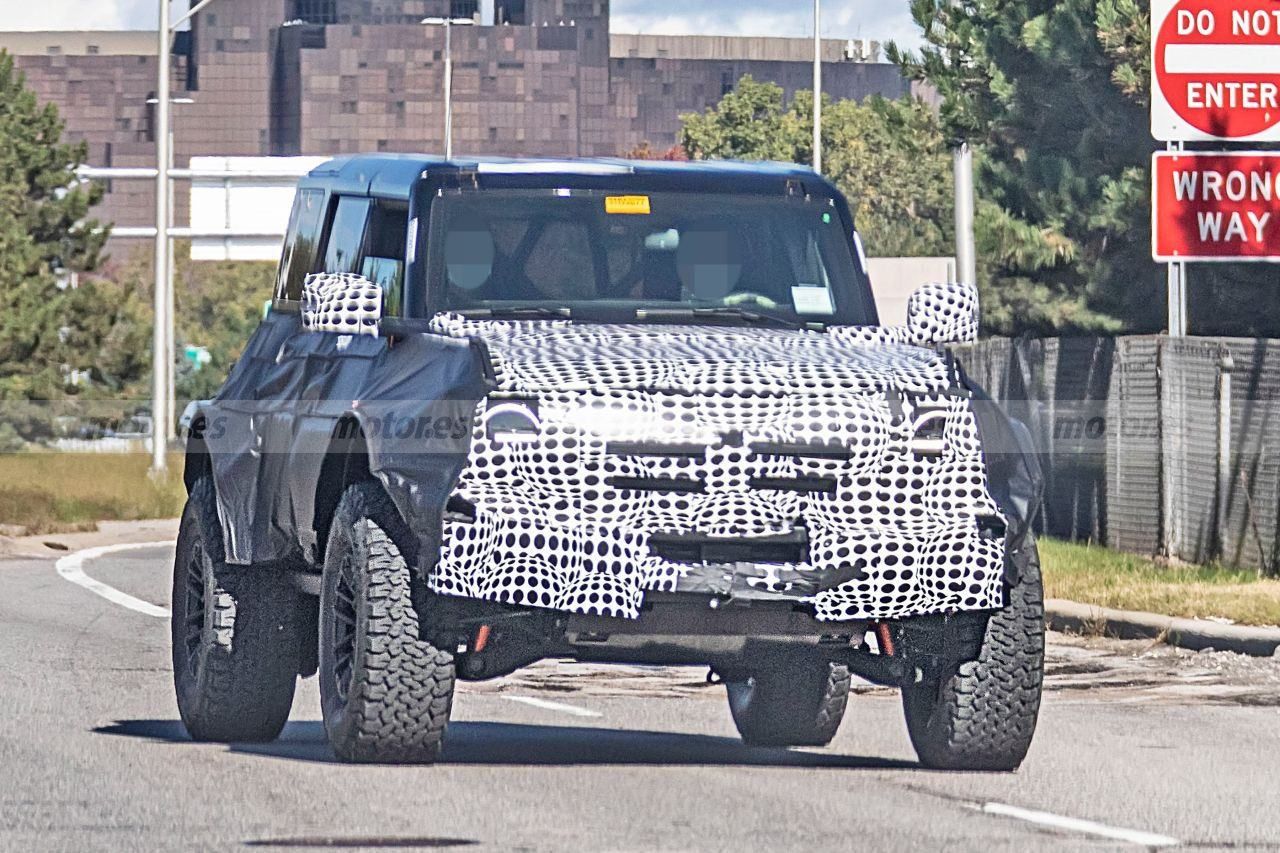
(234, 632)
(386, 691)
(790, 700)
(981, 714)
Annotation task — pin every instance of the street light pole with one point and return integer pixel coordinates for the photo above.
(159, 338)
(817, 86)
(448, 24)
(171, 312)
(448, 90)
(163, 395)
(966, 249)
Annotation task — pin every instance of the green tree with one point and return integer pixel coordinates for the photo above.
(90, 343)
(889, 157)
(42, 227)
(218, 306)
(1055, 98)
(109, 323)
(1033, 86)
(750, 123)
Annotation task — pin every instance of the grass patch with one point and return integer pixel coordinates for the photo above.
(1106, 578)
(60, 492)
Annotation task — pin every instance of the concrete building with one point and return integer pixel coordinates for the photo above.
(320, 77)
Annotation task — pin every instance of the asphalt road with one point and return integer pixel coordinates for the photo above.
(1147, 746)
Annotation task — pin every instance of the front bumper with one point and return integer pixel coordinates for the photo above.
(607, 572)
(610, 495)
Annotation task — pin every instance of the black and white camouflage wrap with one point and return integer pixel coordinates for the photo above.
(901, 526)
(344, 303)
(946, 313)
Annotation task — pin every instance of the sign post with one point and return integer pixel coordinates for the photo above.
(1215, 69)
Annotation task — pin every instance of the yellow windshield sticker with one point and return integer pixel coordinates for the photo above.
(627, 205)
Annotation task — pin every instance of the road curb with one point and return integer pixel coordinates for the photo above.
(1196, 634)
(108, 533)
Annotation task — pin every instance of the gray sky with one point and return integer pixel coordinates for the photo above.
(874, 19)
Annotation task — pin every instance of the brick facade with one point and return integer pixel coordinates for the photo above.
(285, 77)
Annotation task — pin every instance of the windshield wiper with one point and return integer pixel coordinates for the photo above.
(523, 312)
(721, 311)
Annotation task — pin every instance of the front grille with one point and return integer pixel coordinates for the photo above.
(680, 485)
(800, 485)
(647, 448)
(695, 548)
(810, 451)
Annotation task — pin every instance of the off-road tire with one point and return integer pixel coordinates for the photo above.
(386, 691)
(981, 714)
(235, 634)
(790, 700)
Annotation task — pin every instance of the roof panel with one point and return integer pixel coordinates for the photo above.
(392, 175)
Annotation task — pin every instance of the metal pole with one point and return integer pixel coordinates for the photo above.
(1184, 287)
(191, 13)
(1177, 299)
(448, 90)
(817, 86)
(159, 375)
(966, 250)
(171, 318)
(448, 24)
(1226, 366)
(1176, 286)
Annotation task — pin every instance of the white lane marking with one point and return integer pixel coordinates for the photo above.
(1084, 827)
(553, 706)
(71, 567)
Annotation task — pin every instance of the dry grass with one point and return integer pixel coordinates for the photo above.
(1106, 578)
(59, 492)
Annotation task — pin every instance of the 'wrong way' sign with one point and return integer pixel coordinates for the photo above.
(1216, 70)
(1216, 207)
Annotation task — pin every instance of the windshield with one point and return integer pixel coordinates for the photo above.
(680, 256)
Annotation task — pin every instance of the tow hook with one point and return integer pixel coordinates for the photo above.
(475, 664)
(887, 668)
(884, 638)
(482, 639)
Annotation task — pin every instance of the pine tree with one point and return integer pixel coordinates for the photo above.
(1055, 96)
(43, 206)
(889, 157)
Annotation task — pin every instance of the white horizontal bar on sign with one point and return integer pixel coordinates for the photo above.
(145, 232)
(1209, 59)
(284, 177)
(115, 173)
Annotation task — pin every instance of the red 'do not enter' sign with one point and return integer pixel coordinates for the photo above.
(1216, 65)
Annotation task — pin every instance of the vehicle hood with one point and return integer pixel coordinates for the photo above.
(548, 356)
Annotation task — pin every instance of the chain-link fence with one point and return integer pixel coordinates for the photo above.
(1150, 445)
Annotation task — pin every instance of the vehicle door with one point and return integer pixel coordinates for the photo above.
(365, 236)
(241, 427)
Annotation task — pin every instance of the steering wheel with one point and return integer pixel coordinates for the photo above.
(744, 297)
